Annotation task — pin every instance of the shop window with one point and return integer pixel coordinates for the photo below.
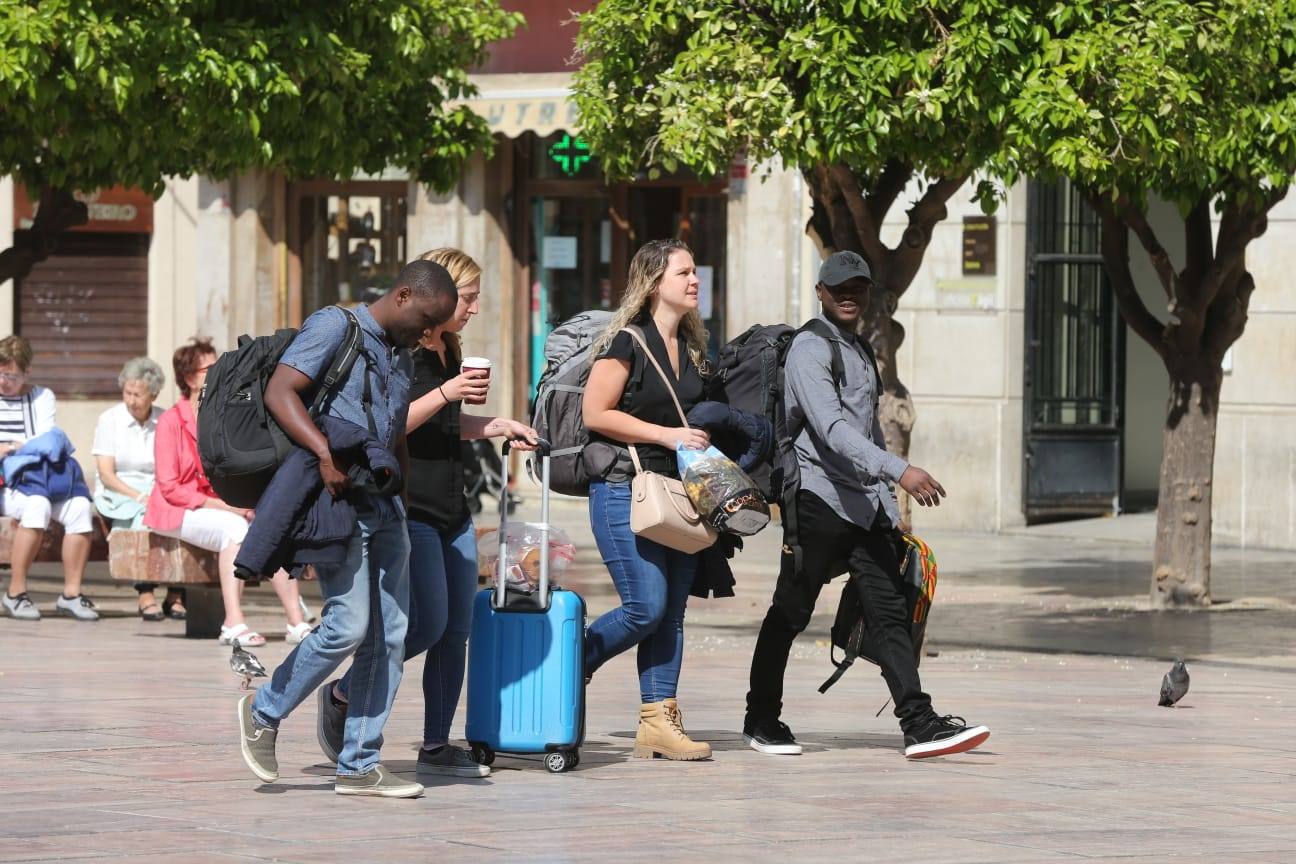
(349, 240)
(85, 311)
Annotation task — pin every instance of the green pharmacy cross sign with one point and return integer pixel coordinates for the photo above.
(571, 154)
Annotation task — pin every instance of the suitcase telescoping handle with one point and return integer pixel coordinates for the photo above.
(543, 449)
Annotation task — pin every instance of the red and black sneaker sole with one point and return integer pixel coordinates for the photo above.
(961, 743)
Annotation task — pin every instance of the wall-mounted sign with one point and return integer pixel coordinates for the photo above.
(558, 253)
(116, 209)
(570, 154)
(977, 294)
(512, 117)
(978, 246)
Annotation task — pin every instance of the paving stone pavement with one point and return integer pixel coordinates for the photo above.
(118, 741)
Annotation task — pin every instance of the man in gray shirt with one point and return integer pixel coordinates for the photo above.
(847, 521)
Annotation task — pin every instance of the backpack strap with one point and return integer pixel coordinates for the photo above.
(823, 330)
(348, 351)
(854, 645)
(837, 367)
(670, 388)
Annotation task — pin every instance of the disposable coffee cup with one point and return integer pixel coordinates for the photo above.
(470, 363)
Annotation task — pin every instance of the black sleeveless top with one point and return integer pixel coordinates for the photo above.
(436, 481)
(647, 398)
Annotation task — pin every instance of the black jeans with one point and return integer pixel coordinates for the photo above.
(832, 546)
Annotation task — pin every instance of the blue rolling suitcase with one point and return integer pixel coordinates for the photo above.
(526, 670)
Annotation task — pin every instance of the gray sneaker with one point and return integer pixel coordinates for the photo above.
(378, 783)
(451, 761)
(257, 743)
(21, 607)
(330, 722)
(79, 607)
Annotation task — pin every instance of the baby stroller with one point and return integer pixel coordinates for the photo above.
(484, 475)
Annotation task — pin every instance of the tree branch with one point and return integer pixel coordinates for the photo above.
(1115, 252)
(834, 213)
(1200, 252)
(1136, 219)
(1239, 225)
(890, 183)
(1226, 317)
(924, 216)
(57, 212)
(867, 229)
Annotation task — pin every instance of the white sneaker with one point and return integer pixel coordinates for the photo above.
(297, 632)
(79, 607)
(21, 607)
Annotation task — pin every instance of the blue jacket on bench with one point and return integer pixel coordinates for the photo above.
(298, 522)
(44, 466)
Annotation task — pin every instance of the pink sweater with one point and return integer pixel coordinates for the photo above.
(180, 482)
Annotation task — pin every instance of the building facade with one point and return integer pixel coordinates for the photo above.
(1032, 401)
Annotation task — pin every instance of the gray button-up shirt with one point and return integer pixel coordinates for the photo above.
(840, 450)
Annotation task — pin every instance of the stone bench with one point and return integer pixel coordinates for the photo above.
(51, 545)
(142, 556)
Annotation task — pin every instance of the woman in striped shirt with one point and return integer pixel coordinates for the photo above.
(26, 411)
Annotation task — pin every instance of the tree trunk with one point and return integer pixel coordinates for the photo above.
(895, 406)
(1182, 560)
(848, 213)
(58, 211)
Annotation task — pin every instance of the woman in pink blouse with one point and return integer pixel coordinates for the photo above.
(184, 505)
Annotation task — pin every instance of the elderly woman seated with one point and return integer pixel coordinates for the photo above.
(123, 451)
(27, 412)
(184, 505)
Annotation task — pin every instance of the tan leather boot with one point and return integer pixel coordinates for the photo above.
(661, 734)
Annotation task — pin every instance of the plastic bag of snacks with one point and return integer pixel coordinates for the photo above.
(722, 492)
(522, 551)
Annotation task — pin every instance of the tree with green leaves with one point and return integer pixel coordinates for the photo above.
(1192, 102)
(102, 92)
(866, 99)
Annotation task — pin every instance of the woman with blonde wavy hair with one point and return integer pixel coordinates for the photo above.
(627, 402)
(443, 543)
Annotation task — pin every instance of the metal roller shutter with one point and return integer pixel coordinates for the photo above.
(85, 311)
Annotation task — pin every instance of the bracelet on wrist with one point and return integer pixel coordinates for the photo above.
(441, 390)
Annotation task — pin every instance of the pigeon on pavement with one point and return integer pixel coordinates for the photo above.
(245, 664)
(1174, 685)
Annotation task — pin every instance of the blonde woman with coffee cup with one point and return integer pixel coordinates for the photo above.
(443, 543)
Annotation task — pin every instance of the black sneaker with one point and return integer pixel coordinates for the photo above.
(772, 737)
(942, 736)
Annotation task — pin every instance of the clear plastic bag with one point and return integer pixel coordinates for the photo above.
(722, 492)
(522, 546)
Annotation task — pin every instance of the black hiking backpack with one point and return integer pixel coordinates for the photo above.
(850, 631)
(749, 377)
(239, 443)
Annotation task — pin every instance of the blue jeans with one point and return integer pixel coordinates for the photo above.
(366, 603)
(653, 582)
(443, 580)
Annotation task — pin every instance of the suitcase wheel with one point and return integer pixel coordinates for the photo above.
(559, 762)
(482, 755)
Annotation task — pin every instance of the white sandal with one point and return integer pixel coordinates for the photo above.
(297, 632)
(240, 634)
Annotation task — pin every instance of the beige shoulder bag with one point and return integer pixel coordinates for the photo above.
(660, 509)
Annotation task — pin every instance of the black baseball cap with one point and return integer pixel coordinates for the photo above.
(841, 266)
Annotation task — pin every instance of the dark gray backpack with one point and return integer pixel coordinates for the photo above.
(559, 393)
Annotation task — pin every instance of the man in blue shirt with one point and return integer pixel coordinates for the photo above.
(367, 597)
